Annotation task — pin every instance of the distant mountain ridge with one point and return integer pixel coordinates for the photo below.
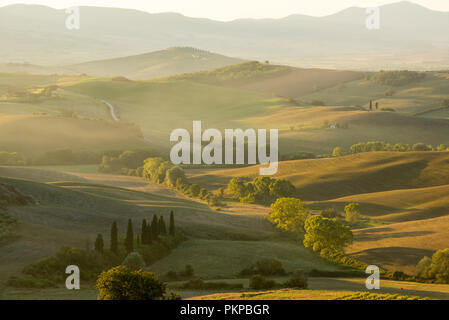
(410, 36)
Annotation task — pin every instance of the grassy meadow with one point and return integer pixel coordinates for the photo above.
(403, 196)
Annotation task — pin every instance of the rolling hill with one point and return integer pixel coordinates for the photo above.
(155, 64)
(272, 79)
(330, 178)
(74, 212)
(41, 133)
(400, 246)
(411, 99)
(408, 31)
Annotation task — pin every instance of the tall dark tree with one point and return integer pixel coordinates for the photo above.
(370, 105)
(129, 241)
(171, 228)
(377, 105)
(114, 238)
(148, 235)
(99, 244)
(143, 231)
(162, 226)
(155, 227)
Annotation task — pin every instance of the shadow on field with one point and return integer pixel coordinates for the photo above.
(392, 255)
(383, 233)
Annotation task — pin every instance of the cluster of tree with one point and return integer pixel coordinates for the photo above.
(164, 172)
(150, 233)
(67, 157)
(128, 251)
(264, 267)
(33, 95)
(297, 280)
(50, 271)
(435, 269)
(335, 125)
(263, 189)
(126, 162)
(11, 159)
(373, 146)
(186, 273)
(297, 156)
(240, 73)
(324, 233)
(398, 78)
(290, 214)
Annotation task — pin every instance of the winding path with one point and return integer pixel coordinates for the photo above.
(111, 109)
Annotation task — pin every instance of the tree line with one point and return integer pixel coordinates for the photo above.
(133, 249)
(263, 190)
(373, 146)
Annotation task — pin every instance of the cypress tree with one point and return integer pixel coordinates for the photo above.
(129, 242)
(171, 228)
(162, 226)
(143, 232)
(155, 228)
(371, 105)
(99, 244)
(114, 238)
(149, 237)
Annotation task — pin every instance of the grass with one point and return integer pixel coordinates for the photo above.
(330, 178)
(397, 205)
(156, 64)
(276, 80)
(49, 133)
(334, 288)
(215, 259)
(400, 246)
(73, 212)
(88, 168)
(410, 99)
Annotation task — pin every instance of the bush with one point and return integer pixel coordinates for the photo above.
(329, 213)
(269, 267)
(297, 280)
(121, 283)
(398, 78)
(436, 268)
(265, 267)
(259, 282)
(27, 281)
(134, 261)
(50, 270)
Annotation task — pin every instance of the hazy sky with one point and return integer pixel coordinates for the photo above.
(232, 9)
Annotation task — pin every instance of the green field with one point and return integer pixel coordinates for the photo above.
(403, 196)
